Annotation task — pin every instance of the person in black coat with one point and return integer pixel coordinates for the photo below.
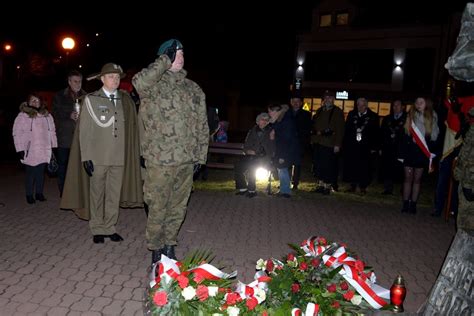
(287, 150)
(302, 120)
(360, 143)
(391, 134)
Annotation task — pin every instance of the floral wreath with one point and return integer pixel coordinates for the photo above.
(318, 278)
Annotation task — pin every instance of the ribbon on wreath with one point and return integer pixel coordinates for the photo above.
(311, 310)
(421, 142)
(256, 289)
(168, 269)
(312, 247)
(371, 292)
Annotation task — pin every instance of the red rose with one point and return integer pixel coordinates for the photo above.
(182, 281)
(344, 286)
(331, 288)
(303, 266)
(232, 298)
(269, 267)
(202, 292)
(336, 304)
(160, 298)
(322, 241)
(315, 262)
(264, 313)
(295, 288)
(359, 265)
(290, 257)
(198, 278)
(251, 303)
(303, 243)
(348, 295)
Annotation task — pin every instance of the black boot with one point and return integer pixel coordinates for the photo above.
(156, 255)
(30, 199)
(412, 207)
(169, 252)
(40, 197)
(405, 207)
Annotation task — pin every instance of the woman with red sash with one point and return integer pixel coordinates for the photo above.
(421, 132)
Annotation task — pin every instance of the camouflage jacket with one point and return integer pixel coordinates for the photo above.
(464, 171)
(173, 114)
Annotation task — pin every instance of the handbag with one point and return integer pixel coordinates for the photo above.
(53, 165)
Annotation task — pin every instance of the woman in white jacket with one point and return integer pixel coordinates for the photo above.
(34, 135)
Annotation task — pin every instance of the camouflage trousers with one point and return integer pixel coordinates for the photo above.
(465, 212)
(166, 191)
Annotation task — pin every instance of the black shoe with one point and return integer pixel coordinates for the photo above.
(412, 207)
(406, 205)
(284, 195)
(251, 194)
(156, 255)
(30, 199)
(98, 239)
(115, 237)
(387, 192)
(169, 252)
(241, 192)
(40, 197)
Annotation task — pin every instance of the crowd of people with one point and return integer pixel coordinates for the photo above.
(110, 155)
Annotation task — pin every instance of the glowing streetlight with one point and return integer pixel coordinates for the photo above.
(7, 47)
(68, 43)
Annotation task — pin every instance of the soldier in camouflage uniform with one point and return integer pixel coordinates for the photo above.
(175, 137)
(464, 173)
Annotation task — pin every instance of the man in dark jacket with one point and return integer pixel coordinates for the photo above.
(360, 143)
(66, 113)
(302, 120)
(259, 148)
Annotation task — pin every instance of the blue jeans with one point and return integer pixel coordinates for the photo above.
(444, 177)
(284, 177)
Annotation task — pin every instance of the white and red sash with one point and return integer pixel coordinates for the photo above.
(421, 142)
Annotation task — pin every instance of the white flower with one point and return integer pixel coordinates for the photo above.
(356, 299)
(233, 311)
(188, 293)
(216, 314)
(260, 295)
(261, 264)
(212, 290)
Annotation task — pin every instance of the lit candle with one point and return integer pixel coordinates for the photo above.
(397, 294)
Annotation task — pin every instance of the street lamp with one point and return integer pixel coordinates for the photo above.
(68, 44)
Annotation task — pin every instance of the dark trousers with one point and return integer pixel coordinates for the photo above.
(392, 170)
(445, 174)
(34, 177)
(247, 165)
(63, 157)
(326, 162)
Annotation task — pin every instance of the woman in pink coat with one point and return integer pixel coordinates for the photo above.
(34, 135)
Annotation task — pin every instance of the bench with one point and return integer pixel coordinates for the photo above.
(232, 149)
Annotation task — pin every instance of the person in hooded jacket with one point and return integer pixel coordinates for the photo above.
(34, 135)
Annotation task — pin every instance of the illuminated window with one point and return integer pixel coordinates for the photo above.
(374, 106)
(384, 108)
(338, 103)
(348, 106)
(342, 18)
(325, 20)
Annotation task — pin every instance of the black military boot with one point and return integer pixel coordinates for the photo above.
(156, 255)
(169, 252)
(405, 207)
(412, 207)
(40, 197)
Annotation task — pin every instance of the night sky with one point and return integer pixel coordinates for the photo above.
(231, 44)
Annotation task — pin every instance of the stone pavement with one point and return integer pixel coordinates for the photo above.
(50, 266)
